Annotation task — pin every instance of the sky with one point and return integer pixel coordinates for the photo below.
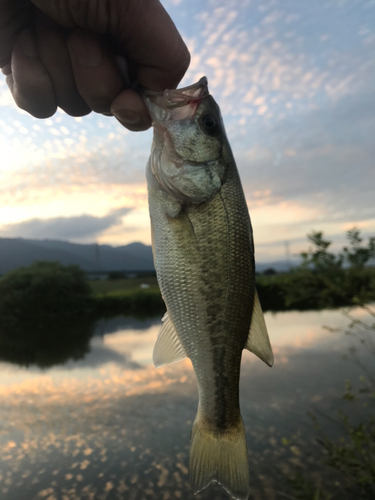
(295, 81)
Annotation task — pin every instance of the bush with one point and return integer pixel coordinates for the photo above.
(142, 304)
(44, 290)
(328, 280)
(45, 314)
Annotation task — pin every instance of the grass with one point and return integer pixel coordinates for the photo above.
(126, 296)
(123, 287)
(301, 289)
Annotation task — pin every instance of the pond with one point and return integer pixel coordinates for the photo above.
(111, 426)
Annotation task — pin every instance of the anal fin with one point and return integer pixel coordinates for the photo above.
(168, 348)
(258, 341)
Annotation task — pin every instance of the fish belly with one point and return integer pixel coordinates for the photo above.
(204, 260)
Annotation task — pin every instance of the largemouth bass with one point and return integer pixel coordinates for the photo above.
(204, 259)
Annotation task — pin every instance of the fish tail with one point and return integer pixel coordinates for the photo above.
(219, 456)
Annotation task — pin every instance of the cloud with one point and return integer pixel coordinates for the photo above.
(295, 86)
(267, 63)
(6, 98)
(65, 228)
(100, 355)
(79, 162)
(322, 157)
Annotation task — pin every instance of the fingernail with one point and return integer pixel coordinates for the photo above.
(28, 44)
(87, 52)
(127, 117)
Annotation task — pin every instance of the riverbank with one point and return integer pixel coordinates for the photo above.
(138, 296)
(299, 290)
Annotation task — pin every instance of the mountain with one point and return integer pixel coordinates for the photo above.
(16, 252)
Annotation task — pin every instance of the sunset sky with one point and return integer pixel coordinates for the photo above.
(295, 82)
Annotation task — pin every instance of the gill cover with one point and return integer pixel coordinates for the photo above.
(186, 155)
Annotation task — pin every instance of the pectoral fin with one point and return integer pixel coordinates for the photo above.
(258, 341)
(168, 348)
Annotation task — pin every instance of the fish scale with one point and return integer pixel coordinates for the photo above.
(204, 260)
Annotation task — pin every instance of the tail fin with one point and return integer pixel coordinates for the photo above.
(219, 457)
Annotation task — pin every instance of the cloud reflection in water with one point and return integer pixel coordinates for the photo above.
(112, 426)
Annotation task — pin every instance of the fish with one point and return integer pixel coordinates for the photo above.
(204, 259)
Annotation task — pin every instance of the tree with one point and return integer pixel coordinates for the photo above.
(357, 255)
(45, 314)
(318, 258)
(352, 453)
(329, 279)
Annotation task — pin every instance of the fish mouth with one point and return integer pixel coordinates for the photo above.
(188, 177)
(175, 104)
(171, 106)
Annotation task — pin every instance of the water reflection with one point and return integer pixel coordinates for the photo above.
(47, 343)
(111, 426)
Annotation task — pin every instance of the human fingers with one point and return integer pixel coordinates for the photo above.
(95, 70)
(143, 33)
(29, 82)
(54, 55)
(129, 109)
(15, 16)
(149, 37)
(142, 30)
(160, 55)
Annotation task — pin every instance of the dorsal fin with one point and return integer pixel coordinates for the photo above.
(168, 348)
(258, 341)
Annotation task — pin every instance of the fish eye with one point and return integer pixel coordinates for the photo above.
(210, 124)
(209, 121)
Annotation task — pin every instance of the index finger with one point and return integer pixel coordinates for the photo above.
(150, 38)
(142, 30)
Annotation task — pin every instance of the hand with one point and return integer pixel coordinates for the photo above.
(89, 55)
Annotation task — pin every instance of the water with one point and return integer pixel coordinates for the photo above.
(111, 426)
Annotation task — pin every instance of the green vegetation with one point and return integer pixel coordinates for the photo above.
(138, 296)
(45, 314)
(351, 452)
(47, 308)
(324, 279)
(48, 311)
(347, 441)
(44, 290)
(125, 285)
(344, 279)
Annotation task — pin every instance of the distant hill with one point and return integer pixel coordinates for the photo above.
(17, 252)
